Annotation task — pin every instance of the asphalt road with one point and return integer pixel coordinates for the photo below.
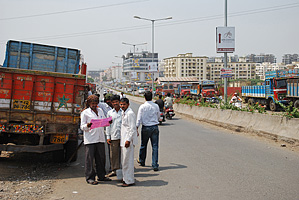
(197, 161)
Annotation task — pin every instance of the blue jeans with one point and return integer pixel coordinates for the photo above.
(152, 133)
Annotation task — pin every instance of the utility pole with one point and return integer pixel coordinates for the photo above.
(225, 54)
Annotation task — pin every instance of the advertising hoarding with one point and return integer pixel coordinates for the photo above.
(225, 39)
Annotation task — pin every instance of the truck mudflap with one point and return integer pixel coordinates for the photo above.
(31, 149)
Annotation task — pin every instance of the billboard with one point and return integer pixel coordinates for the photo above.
(225, 39)
(153, 67)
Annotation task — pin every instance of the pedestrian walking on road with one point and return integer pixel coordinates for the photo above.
(148, 116)
(94, 140)
(122, 95)
(128, 141)
(113, 134)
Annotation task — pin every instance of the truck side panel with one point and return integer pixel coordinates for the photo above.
(40, 57)
(253, 91)
(293, 88)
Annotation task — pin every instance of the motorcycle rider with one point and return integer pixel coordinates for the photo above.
(236, 100)
(160, 103)
(168, 101)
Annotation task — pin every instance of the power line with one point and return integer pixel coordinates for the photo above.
(69, 11)
(177, 22)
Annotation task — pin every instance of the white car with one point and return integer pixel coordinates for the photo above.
(141, 91)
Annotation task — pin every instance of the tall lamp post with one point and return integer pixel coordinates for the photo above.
(153, 26)
(134, 45)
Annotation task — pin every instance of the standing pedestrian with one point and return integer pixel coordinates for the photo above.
(148, 116)
(122, 95)
(127, 142)
(113, 134)
(94, 140)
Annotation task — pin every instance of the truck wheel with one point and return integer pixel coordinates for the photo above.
(296, 104)
(58, 156)
(70, 148)
(273, 106)
(251, 102)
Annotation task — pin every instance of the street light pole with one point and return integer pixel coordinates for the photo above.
(225, 54)
(153, 33)
(134, 45)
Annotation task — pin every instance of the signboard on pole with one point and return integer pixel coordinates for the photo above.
(134, 75)
(153, 67)
(225, 39)
(226, 72)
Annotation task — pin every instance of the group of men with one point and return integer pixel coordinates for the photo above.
(121, 137)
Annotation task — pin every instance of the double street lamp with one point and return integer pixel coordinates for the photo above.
(153, 26)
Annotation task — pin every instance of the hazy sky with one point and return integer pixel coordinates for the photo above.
(98, 28)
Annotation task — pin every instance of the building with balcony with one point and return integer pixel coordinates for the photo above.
(240, 70)
(186, 65)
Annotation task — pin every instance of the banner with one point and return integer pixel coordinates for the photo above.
(225, 39)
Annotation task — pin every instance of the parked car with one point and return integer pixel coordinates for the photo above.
(141, 91)
(129, 89)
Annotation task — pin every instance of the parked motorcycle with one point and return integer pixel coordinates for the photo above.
(162, 117)
(169, 113)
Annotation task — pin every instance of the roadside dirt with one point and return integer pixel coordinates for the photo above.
(27, 176)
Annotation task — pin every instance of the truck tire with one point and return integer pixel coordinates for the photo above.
(296, 104)
(58, 156)
(70, 148)
(251, 102)
(272, 105)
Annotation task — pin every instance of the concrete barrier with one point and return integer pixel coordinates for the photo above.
(273, 126)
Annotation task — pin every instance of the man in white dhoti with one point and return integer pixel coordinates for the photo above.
(127, 142)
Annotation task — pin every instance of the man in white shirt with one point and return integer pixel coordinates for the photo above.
(113, 134)
(148, 116)
(127, 142)
(122, 95)
(168, 101)
(94, 140)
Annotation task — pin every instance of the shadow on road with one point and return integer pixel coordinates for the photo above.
(151, 183)
(173, 166)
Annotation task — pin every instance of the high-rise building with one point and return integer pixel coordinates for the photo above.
(261, 58)
(289, 58)
(186, 65)
(137, 64)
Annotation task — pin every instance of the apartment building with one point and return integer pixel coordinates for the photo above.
(186, 65)
(289, 58)
(261, 68)
(116, 72)
(240, 70)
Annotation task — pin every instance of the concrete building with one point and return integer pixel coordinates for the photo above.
(261, 58)
(261, 68)
(289, 58)
(138, 63)
(116, 72)
(240, 70)
(186, 65)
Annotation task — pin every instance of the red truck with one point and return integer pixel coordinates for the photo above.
(205, 89)
(41, 97)
(40, 111)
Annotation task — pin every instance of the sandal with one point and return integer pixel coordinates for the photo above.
(92, 182)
